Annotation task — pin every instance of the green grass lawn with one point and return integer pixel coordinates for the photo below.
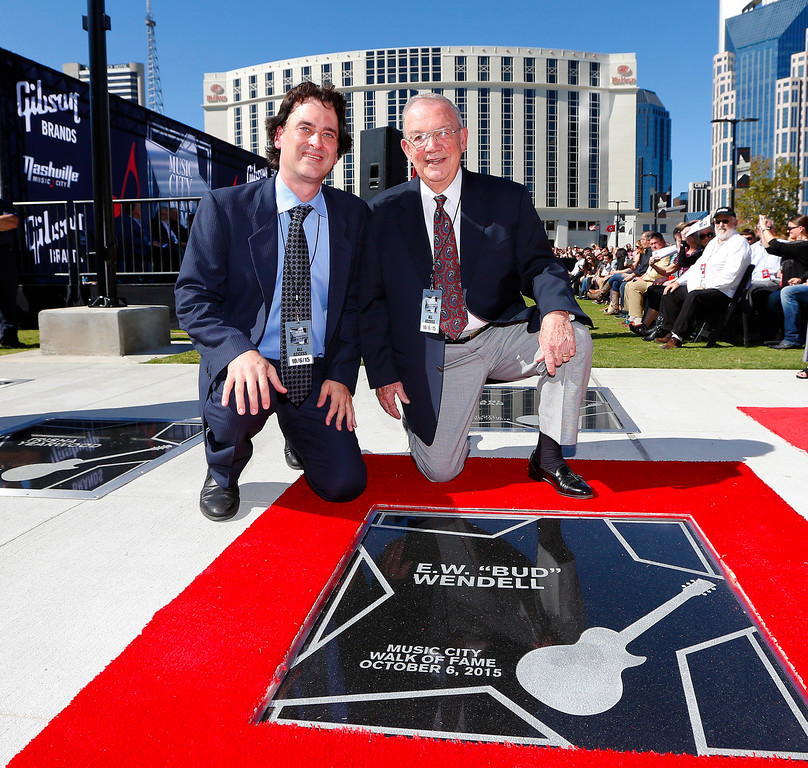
(615, 347)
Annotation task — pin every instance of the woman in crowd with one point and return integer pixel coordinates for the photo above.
(793, 255)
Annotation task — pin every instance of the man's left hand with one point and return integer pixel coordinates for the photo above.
(341, 404)
(556, 340)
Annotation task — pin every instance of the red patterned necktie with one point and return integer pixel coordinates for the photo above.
(453, 314)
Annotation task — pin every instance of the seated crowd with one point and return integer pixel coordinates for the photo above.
(666, 291)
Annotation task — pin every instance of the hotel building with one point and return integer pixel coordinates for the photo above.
(563, 123)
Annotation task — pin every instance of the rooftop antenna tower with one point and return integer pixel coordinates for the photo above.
(154, 99)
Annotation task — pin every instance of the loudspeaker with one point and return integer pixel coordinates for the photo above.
(382, 162)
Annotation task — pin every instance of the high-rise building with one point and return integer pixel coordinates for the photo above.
(758, 46)
(124, 80)
(653, 152)
(698, 197)
(563, 123)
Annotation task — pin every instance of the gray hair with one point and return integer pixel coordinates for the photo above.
(433, 97)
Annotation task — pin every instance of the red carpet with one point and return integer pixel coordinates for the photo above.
(184, 692)
(789, 423)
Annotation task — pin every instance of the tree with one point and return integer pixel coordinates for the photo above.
(773, 194)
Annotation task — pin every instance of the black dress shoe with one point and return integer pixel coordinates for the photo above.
(218, 503)
(564, 480)
(292, 459)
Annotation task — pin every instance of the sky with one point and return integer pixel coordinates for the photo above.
(674, 43)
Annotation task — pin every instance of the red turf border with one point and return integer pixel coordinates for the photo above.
(185, 691)
(789, 423)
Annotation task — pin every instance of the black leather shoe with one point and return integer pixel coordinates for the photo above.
(218, 503)
(564, 480)
(292, 459)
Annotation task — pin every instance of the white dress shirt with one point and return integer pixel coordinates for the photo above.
(721, 266)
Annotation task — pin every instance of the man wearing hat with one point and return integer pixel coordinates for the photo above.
(707, 287)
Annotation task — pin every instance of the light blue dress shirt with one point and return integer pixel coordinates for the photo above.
(316, 228)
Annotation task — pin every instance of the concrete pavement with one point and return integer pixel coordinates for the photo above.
(81, 577)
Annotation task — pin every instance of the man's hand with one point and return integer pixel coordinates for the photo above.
(671, 286)
(556, 340)
(341, 404)
(386, 396)
(253, 372)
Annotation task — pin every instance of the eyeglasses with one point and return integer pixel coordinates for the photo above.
(420, 140)
(793, 226)
(706, 235)
(721, 221)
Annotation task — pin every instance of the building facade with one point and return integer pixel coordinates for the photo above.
(125, 80)
(654, 166)
(563, 123)
(758, 48)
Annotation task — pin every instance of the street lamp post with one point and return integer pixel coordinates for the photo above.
(653, 196)
(733, 121)
(617, 222)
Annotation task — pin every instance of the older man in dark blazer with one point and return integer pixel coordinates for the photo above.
(476, 244)
(256, 253)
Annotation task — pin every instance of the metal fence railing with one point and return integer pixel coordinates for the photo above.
(56, 241)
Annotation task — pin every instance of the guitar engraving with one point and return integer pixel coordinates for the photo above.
(586, 678)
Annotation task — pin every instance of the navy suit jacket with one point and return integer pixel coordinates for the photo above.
(504, 256)
(227, 278)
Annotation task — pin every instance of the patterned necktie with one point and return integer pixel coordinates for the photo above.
(453, 314)
(295, 302)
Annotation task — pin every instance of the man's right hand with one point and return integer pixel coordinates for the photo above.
(253, 372)
(387, 398)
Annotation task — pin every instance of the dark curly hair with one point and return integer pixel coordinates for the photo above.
(327, 96)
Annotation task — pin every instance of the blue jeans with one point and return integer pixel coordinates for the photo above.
(791, 296)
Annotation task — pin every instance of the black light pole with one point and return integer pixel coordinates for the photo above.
(96, 22)
(733, 121)
(617, 222)
(653, 196)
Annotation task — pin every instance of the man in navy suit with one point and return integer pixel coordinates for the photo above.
(476, 243)
(229, 294)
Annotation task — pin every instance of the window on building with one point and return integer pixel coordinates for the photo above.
(484, 130)
(254, 128)
(573, 148)
(461, 102)
(552, 148)
(253, 86)
(306, 74)
(237, 89)
(370, 68)
(552, 70)
(507, 69)
(507, 133)
(529, 141)
(572, 72)
(347, 74)
(594, 74)
(287, 80)
(594, 149)
(326, 74)
(530, 70)
(483, 69)
(460, 69)
(238, 139)
(414, 69)
(370, 110)
(269, 83)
